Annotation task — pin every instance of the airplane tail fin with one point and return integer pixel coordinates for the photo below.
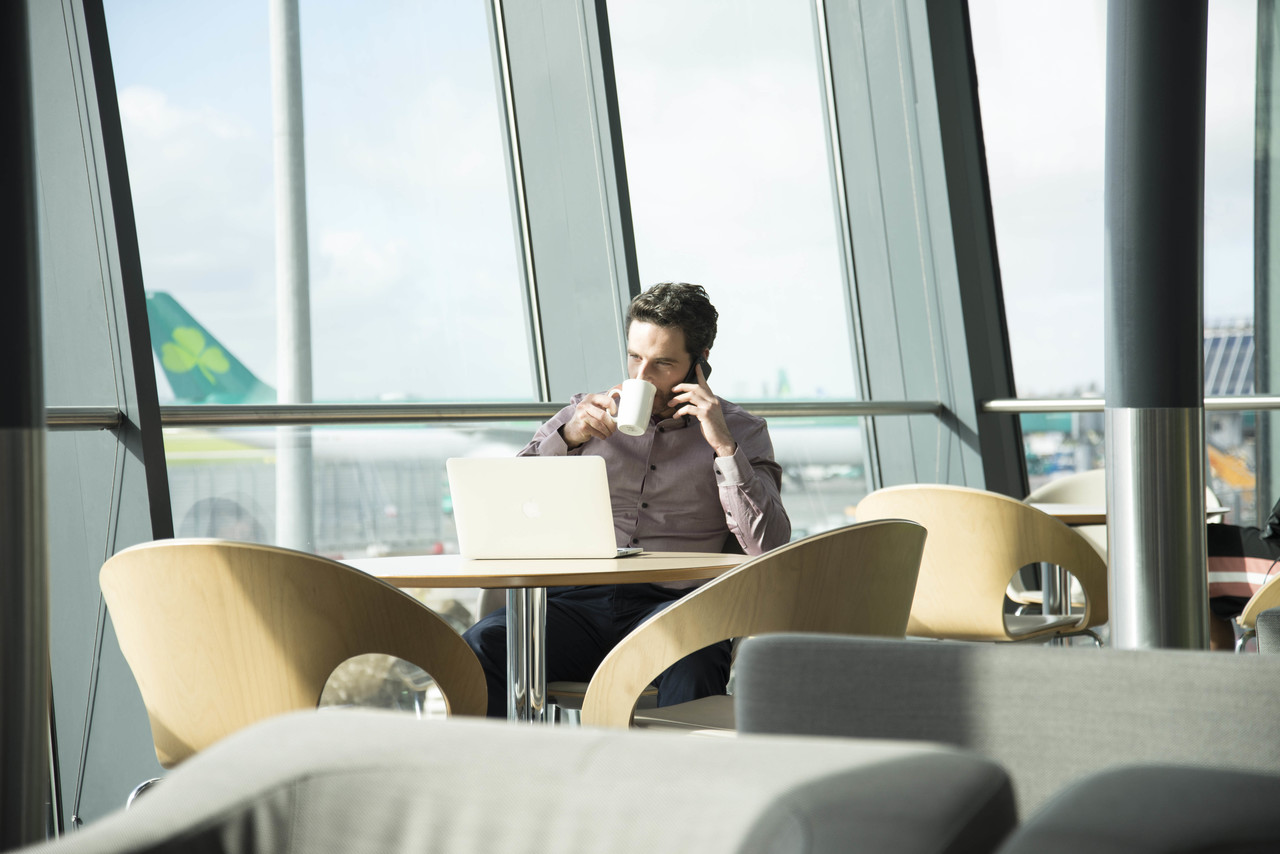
(198, 367)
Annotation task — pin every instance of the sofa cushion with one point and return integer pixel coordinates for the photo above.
(1049, 715)
(363, 781)
(1157, 810)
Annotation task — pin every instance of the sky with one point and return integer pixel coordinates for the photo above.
(415, 281)
(722, 119)
(415, 289)
(1043, 105)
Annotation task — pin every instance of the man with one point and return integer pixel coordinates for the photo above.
(701, 478)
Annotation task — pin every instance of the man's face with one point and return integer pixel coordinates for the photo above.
(657, 354)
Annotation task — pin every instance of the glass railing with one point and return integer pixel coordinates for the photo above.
(380, 489)
(1064, 436)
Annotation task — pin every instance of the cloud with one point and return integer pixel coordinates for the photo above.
(202, 196)
(150, 115)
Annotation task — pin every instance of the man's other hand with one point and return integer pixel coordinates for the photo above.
(698, 401)
(592, 419)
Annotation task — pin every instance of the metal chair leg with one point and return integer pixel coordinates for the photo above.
(139, 789)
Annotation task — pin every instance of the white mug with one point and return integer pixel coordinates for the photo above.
(635, 405)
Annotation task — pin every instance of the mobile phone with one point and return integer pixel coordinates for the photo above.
(692, 376)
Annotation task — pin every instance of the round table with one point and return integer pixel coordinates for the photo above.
(526, 581)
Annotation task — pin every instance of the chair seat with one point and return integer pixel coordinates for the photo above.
(569, 695)
(1029, 625)
(707, 716)
(1036, 597)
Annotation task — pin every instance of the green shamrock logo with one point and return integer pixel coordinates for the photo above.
(187, 352)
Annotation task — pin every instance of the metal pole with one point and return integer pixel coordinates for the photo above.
(1266, 264)
(24, 571)
(293, 305)
(1154, 322)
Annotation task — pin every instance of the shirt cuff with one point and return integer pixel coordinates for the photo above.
(734, 469)
(554, 445)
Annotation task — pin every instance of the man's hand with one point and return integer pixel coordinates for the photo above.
(592, 419)
(698, 401)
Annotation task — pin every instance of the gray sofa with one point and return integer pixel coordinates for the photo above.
(1157, 809)
(1049, 715)
(362, 781)
(1267, 629)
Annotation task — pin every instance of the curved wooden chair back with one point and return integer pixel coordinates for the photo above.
(1090, 487)
(854, 580)
(977, 541)
(1082, 487)
(221, 634)
(1268, 596)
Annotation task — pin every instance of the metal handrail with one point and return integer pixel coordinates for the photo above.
(1237, 403)
(321, 414)
(83, 418)
(326, 414)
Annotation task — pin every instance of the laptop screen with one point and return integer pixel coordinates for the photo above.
(532, 507)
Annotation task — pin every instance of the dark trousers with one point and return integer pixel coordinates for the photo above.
(583, 624)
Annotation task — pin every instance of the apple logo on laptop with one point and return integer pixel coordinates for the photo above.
(531, 509)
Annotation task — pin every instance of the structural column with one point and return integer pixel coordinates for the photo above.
(1266, 249)
(24, 573)
(294, 503)
(1154, 322)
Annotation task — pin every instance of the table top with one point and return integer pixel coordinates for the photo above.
(1096, 514)
(1074, 514)
(457, 571)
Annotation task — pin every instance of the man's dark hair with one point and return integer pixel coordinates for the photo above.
(678, 304)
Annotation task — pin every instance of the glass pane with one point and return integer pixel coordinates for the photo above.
(1213, 363)
(1058, 444)
(383, 490)
(1041, 69)
(412, 249)
(1041, 74)
(824, 470)
(377, 490)
(722, 120)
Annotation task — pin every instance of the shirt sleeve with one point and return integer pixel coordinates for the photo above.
(750, 483)
(548, 442)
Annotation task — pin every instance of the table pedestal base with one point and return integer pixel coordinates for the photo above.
(527, 654)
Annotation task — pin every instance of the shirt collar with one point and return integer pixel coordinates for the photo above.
(670, 423)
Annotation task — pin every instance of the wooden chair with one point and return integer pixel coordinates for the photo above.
(222, 634)
(1086, 487)
(1267, 597)
(853, 580)
(978, 540)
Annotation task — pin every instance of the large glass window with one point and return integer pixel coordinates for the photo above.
(1043, 102)
(722, 117)
(1042, 83)
(377, 490)
(415, 279)
(1043, 119)
(414, 275)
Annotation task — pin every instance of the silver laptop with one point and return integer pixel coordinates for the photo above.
(533, 507)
